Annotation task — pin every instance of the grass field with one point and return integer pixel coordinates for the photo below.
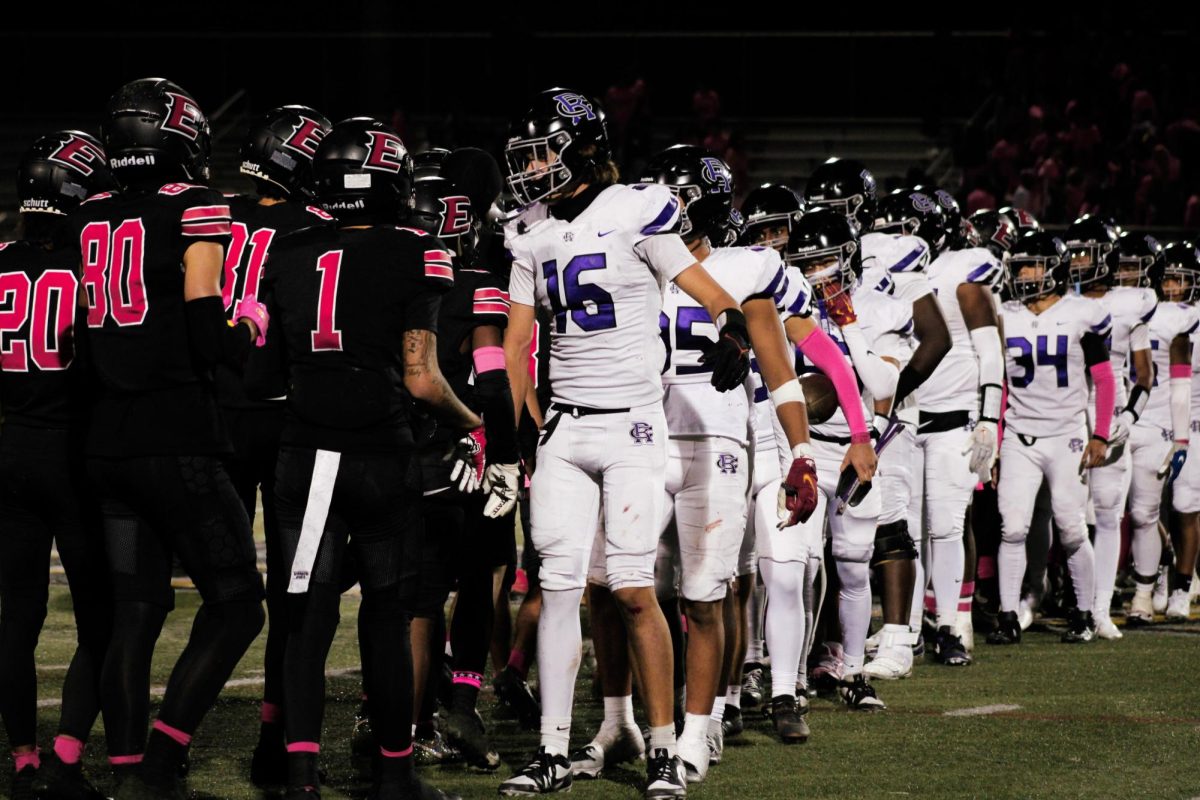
(1111, 719)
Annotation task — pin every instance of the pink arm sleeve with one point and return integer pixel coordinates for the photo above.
(1106, 394)
(825, 356)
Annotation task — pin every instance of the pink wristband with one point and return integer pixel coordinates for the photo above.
(1181, 371)
(488, 359)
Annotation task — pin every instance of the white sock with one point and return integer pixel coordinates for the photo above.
(1010, 564)
(785, 628)
(1082, 566)
(754, 632)
(663, 738)
(718, 713)
(695, 729)
(1108, 552)
(917, 607)
(733, 697)
(618, 714)
(414, 730)
(813, 570)
(852, 665)
(948, 560)
(558, 665)
(1146, 548)
(854, 609)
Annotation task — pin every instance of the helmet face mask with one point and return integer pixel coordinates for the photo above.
(829, 270)
(1031, 277)
(769, 231)
(769, 211)
(1089, 263)
(536, 169)
(1134, 271)
(848, 207)
(555, 145)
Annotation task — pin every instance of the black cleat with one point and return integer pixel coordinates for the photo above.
(859, 695)
(464, 730)
(22, 784)
(363, 749)
(514, 693)
(948, 648)
(752, 685)
(1007, 630)
(1081, 628)
(268, 765)
(58, 781)
(789, 719)
(732, 723)
(545, 774)
(665, 776)
(134, 788)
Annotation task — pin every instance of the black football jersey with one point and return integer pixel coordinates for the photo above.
(340, 301)
(154, 398)
(38, 385)
(255, 227)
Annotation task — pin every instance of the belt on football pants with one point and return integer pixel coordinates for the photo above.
(584, 411)
(942, 421)
(822, 437)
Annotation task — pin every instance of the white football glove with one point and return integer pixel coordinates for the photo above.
(1121, 427)
(982, 447)
(468, 461)
(501, 483)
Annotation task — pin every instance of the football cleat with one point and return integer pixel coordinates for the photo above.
(412, 789)
(859, 695)
(430, 747)
(1106, 629)
(733, 724)
(752, 685)
(789, 717)
(1025, 612)
(1179, 606)
(134, 788)
(948, 648)
(872, 644)
(515, 694)
(694, 756)
(22, 784)
(1159, 598)
(918, 647)
(545, 774)
(1141, 610)
(58, 781)
(716, 744)
(464, 730)
(1081, 629)
(268, 765)
(591, 759)
(894, 657)
(827, 672)
(1007, 630)
(362, 742)
(665, 777)
(964, 625)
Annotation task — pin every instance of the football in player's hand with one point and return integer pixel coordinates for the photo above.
(819, 396)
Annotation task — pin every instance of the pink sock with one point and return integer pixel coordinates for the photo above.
(405, 753)
(517, 662)
(271, 713)
(986, 568)
(125, 761)
(469, 678)
(930, 602)
(175, 734)
(23, 760)
(68, 749)
(303, 747)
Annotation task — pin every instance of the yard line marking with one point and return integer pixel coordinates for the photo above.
(981, 711)
(236, 683)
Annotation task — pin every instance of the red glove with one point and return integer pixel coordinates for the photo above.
(839, 309)
(249, 308)
(798, 493)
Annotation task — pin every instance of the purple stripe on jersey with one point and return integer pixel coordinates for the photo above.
(774, 284)
(907, 261)
(977, 274)
(1150, 313)
(662, 219)
(1103, 324)
(1193, 328)
(907, 329)
(781, 291)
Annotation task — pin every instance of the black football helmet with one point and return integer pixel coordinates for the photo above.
(824, 246)
(59, 171)
(428, 163)
(153, 131)
(555, 132)
(958, 230)
(1094, 252)
(846, 186)
(1038, 249)
(704, 184)
(912, 213)
(278, 150)
(992, 229)
(1022, 219)
(476, 173)
(442, 210)
(1181, 262)
(767, 209)
(363, 172)
(1139, 260)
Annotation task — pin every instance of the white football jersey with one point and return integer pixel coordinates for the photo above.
(603, 296)
(1168, 321)
(1130, 309)
(895, 264)
(886, 324)
(1046, 372)
(1195, 410)
(954, 385)
(693, 406)
(796, 301)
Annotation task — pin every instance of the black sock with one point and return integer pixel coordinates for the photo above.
(464, 694)
(1177, 580)
(302, 771)
(164, 755)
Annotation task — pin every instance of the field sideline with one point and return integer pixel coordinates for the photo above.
(1043, 720)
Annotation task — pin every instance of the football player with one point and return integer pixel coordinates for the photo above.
(276, 155)
(1098, 257)
(1187, 485)
(1051, 340)
(593, 253)
(356, 309)
(44, 500)
(1161, 433)
(152, 258)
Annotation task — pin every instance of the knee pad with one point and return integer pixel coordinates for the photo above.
(703, 588)
(844, 551)
(1072, 539)
(893, 543)
(1144, 515)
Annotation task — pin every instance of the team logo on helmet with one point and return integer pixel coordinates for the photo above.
(1152, 243)
(922, 202)
(727, 463)
(714, 173)
(575, 106)
(642, 433)
(868, 180)
(456, 216)
(78, 154)
(945, 199)
(183, 116)
(305, 137)
(385, 152)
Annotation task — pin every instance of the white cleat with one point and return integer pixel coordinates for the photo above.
(695, 757)
(1025, 613)
(716, 745)
(1106, 629)
(965, 629)
(1141, 609)
(1160, 591)
(1179, 608)
(590, 760)
(873, 642)
(894, 658)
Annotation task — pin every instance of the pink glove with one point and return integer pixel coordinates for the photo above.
(249, 308)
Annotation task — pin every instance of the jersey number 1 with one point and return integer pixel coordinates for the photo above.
(327, 337)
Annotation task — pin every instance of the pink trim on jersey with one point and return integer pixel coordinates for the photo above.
(1106, 395)
(303, 747)
(179, 736)
(125, 761)
(488, 359)
(405, 753)
(825, 355)
(1181, 371)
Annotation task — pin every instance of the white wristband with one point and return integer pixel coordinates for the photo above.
(790, 392)
(802, 450)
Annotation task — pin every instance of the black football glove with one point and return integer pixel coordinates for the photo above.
(729, 356)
